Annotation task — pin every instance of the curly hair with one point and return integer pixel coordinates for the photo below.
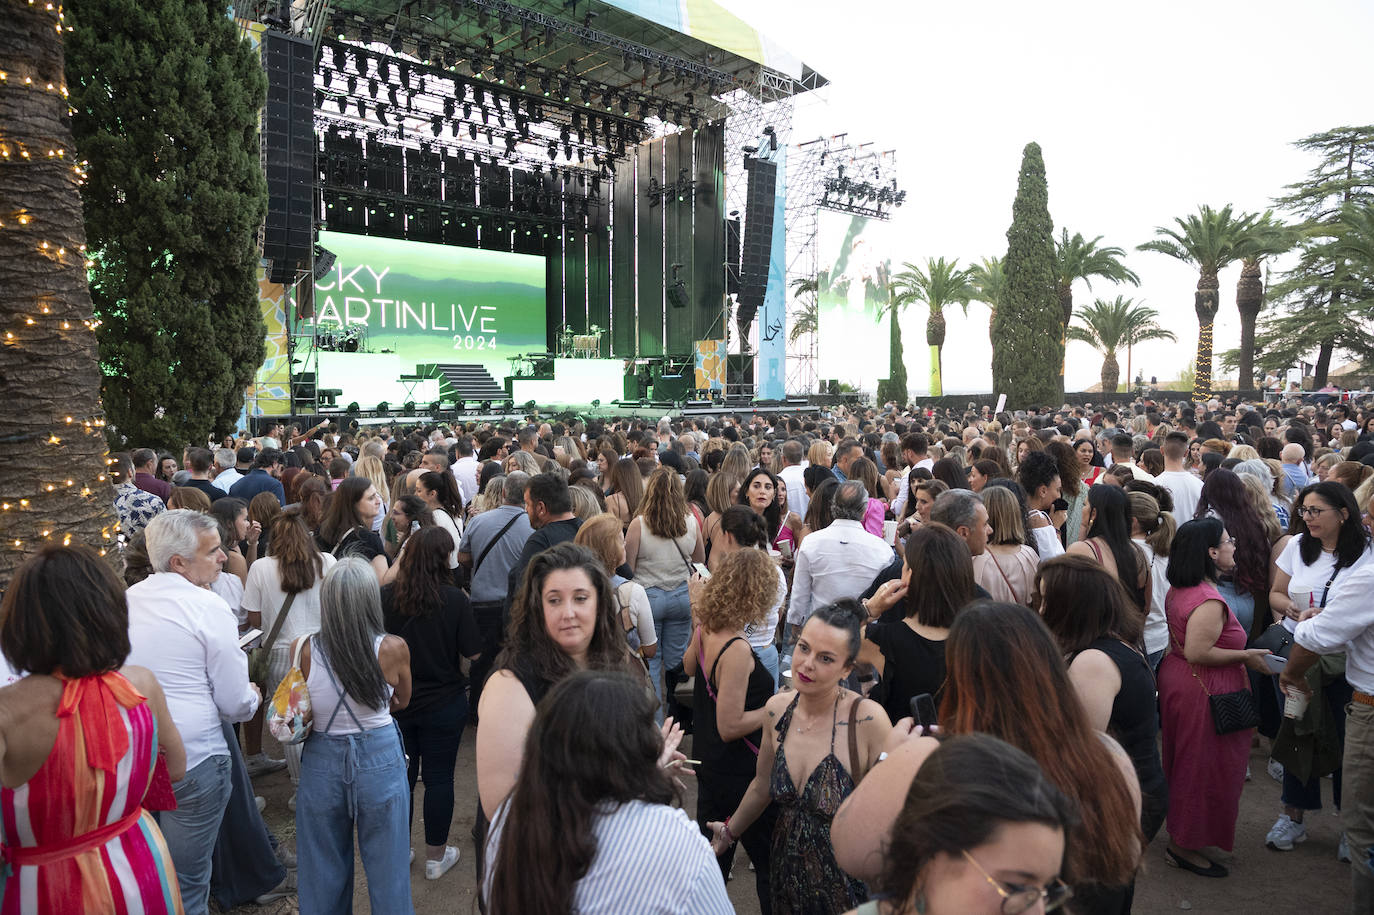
(741, 591)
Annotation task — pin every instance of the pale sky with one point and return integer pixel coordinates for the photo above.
(1142, 112)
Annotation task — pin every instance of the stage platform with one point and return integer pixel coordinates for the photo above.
(368, 379)
(574, 382)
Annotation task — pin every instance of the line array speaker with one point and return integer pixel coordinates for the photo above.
(758, 233)
(288, 134)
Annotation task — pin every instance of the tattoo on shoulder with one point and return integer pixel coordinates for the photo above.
(857, 720)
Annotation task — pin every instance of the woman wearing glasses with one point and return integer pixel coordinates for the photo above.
(1334, 543)
(981, 833)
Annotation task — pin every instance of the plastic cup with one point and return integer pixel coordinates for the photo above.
(890, 531)
(1294, 703)
(786, 678)
(1302, 600)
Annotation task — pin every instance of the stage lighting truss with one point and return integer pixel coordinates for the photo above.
(857, 179)
(443, 216)
(674, 192)
(518, 122)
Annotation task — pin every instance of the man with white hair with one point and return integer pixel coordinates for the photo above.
(186, 635)
(226, 471)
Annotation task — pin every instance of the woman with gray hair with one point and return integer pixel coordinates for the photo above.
(353, 769)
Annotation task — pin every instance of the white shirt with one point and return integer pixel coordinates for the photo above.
(899, 503)
(1347, 624)
(446, 521)
(837, 561)
(1186, 490)
(1156, 625)
(465, 473)
(187, 637)
(1306, 583)
(760, 634)
(227, 479)
(263, 594)
(797, 499)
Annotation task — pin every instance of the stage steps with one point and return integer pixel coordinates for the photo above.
(464, 381)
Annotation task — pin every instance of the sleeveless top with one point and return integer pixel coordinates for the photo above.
(341, 714)
(1135, 718)
(75, 836)
(805, 878)
(721, 757)
(664, 563)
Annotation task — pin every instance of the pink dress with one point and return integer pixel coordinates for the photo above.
(1206, 770)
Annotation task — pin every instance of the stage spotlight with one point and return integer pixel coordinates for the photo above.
(544, 85)
(384, 70)
(435, 408)
(372, 88)
(352, 85)
(643, 108)
(467, 110)
(448, 107)
(553, 151)
(472, 131)
(391, 94)
(453, 128)
(526, 28)
(405, 74)
(586, 95)
(663, 112)
(476, 65)
(365, 34)
(352, 407)
(520, 78)
(383, 407)
(336, 54)
(564, 89)
(436, 124)
(396, 43)
(663, 73)
(422, 51)
(409, 407)
(500, 72)
(695, 122)
(486, 406)
(479, 96)
(381, 116)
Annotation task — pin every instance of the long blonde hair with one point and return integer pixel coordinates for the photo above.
(664, 507)
(375, 471)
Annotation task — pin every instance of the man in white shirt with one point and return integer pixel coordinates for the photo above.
(227, 473)
(1346, 624)
(793, 465)
(837, 561)
(1123, 453)
(915, 452)
(1184, 486)
(186, 635)
(465, 469)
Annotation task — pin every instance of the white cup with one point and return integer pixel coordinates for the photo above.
(1294, 703)
(786, 678)
(1302, 600)
(890, 531)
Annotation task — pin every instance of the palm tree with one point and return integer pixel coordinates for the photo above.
(52, 456)
(1267, 237)
(1108, 326)
(990, 281)
(940, 284)
(1076, 259)
(1210, 240)
(807, 320)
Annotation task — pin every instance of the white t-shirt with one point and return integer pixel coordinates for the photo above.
(1186, 490)
(443, 519)
(1156, 625)
(1305, 578)
(760, 635)
(633, 595)
(264, 595)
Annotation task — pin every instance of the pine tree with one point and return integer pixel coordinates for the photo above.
(1028, 328)
(53, 484)
(167, 99)
(1322, 304)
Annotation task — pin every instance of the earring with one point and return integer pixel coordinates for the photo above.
(920, 903)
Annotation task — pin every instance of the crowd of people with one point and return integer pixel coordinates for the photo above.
(921, 662)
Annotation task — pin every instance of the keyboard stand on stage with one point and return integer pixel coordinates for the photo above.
(409, 382)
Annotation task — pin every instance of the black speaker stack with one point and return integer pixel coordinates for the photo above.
(288, 133)
(758, 233)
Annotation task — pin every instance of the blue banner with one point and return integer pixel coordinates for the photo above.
(771, 363)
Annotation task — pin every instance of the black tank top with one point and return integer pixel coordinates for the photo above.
(1135, 721)
(734, 757)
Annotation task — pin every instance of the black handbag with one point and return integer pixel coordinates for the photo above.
(1276, 640)
(1233, 712)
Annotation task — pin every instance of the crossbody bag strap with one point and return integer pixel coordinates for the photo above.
(1334, 572)
(495, 540)
(854, 739)
(998, 565)
(277, 623)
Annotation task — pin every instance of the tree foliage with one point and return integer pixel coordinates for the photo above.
(806, 321)
(1110, 326)
(167, 101)
(1323, 302)
(1077, 259)
(1028, 328)
(53, 482)
(894, 388)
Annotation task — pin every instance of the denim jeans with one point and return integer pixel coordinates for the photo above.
(673, 626)
(245, 863)
(350, 780)
(191, 829)
(431, 742)
(769, 658)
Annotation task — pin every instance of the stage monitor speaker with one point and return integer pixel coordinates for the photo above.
(758, 232)
(739, 369)
(288, 139)
(672, 387)
(678, 296)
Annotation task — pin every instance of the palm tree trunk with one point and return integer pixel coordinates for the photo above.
(53, 482)
(1111, 374)
(1249, 301)
(935, 338)
(1205, 303)
(936, 385)
(1065, 293)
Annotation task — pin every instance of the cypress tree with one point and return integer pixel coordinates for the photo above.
(893, 387)
(1028, 328)
(167, 100)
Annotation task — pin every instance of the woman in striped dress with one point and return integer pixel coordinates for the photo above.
(79, 739)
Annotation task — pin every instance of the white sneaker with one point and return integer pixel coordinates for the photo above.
(261, 802)
(1343, 849)
(1285, 833)
(436, 869)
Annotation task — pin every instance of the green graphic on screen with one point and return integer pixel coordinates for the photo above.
(854, 269)
(431, 303)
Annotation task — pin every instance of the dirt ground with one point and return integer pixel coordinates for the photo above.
(1308, 879)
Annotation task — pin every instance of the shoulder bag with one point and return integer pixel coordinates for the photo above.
(1231, 712)
(1276, 638)
(260, 658)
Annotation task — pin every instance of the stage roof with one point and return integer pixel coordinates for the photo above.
(591, 37)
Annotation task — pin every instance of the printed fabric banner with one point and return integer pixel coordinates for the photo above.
(772, 357)
(710, 365)
(430, 303)
(854, 267)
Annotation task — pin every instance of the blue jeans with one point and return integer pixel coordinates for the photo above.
(673, 626)
(769, 658)
(350, 780)
(191, 829)
(431, 742)
(245, 862)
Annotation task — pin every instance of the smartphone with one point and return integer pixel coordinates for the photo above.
(702, 571)
(251, 634)
(923, 710)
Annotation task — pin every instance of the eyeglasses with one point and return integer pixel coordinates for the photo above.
(1226, 540)
(1017, 898)
(1311, 511)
